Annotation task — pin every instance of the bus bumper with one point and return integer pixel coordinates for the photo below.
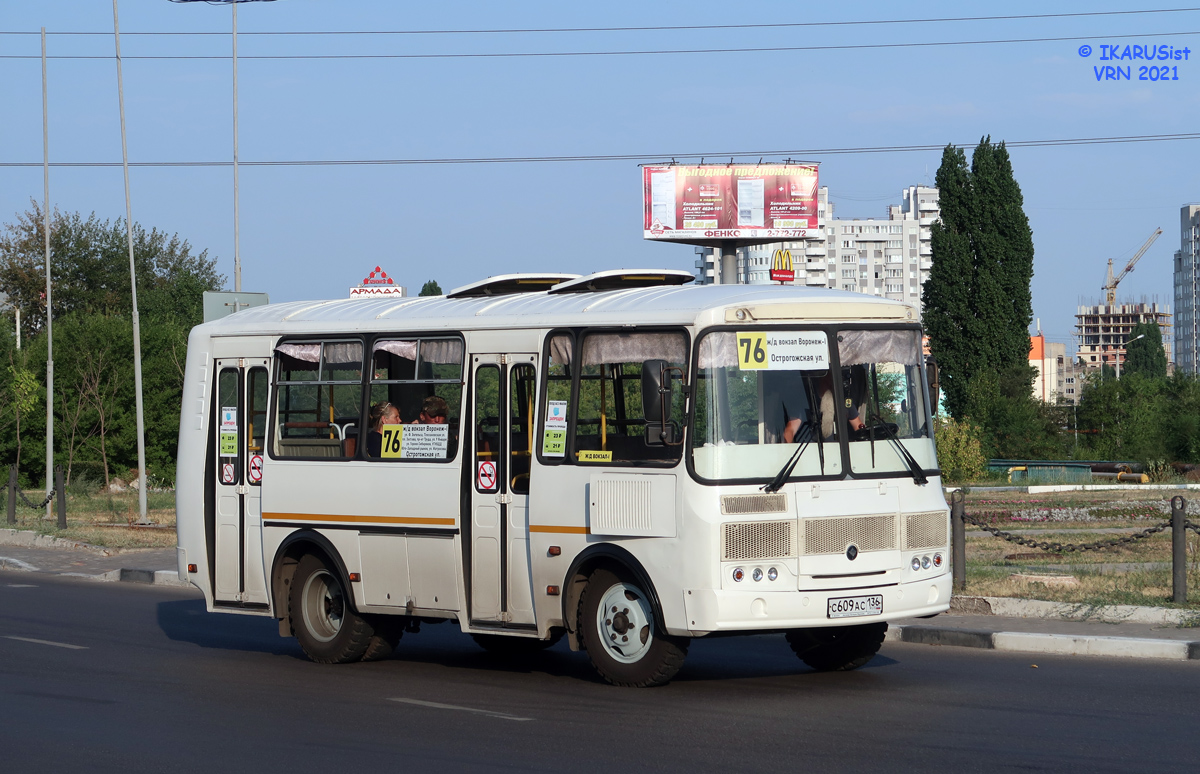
(716, 610)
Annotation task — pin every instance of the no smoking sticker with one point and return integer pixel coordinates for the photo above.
(255, 473)
(486, 476)
(228, 475)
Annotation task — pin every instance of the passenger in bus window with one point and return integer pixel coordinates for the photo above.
(382, 413)
(433, 411)
(791, 431)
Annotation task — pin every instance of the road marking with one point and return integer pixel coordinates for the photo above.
(22, 585)
(46, 642)
(436, 705)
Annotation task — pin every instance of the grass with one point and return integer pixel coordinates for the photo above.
(105, 519)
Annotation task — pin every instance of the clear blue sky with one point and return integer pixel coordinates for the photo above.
(310, 232)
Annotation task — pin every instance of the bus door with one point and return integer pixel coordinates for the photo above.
(240, 426)
(504, 389)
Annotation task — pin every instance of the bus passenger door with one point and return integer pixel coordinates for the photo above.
(240, 428)
(503, 387)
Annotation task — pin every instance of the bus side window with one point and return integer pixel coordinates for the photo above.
(422, 378)
(521, 389)
(487, 420)
(610, 422)
(555, 407)
(256, 411)
(318, 399)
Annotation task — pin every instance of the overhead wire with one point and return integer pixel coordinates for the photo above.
(643, 52)
(663, 158)
(659, 28)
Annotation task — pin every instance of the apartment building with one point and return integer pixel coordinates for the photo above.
(1103, 330)
(1187, 291)
(888, 257)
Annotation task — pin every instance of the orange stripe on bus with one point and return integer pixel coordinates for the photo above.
(564, 530)
(368, 519)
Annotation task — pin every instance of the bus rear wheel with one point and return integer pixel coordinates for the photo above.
(616, 623)
(837, 648)
(322, 615)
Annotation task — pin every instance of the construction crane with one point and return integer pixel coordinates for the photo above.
(1110, 286)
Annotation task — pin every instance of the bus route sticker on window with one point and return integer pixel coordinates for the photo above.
(782, 351)
(415, 442)
(595, 456)
(229, 431)
(554, 438)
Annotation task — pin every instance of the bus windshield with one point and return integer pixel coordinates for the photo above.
(760, 394)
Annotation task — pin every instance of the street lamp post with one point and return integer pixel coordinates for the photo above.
(1135, 338)
(237, 254)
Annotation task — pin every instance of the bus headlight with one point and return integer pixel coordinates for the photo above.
(916, 563)
(757, 575)
(772, 574)
(925, 562)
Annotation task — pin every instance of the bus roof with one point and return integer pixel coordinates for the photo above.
(662, 305)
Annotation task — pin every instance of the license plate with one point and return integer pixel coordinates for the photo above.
(849, 607)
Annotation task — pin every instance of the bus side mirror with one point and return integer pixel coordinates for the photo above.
(657, 384)
(931, 375)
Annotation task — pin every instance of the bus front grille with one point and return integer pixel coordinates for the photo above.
(925, 530)
(740, 505)
(833, 536)
(757, 540)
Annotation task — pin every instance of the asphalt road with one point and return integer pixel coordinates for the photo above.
(154, 684)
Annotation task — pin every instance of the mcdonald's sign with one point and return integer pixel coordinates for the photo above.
(781, 266)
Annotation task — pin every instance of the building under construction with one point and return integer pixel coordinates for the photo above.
(1103, 330)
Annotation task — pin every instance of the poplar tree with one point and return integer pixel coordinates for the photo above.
(977, 300)
(946, 297)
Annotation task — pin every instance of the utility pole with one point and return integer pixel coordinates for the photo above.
(49, 300)
(137, 326)
(237, 254)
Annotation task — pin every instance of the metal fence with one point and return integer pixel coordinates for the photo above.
(15, 494)
(1179, 524)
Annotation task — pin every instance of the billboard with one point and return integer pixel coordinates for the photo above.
(706, 204)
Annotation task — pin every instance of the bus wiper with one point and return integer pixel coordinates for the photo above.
(782, 476)
(914, 467)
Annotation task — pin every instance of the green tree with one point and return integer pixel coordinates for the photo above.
(90, 269)
(1146, 356)
(431, 288)
(946, 297)
(977, 299)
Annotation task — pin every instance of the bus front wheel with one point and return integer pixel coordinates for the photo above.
(322, 615)
(616, 621)
(837, 648)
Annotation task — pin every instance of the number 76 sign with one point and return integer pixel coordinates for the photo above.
(782, 350)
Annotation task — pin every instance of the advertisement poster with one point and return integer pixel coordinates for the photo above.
(711, 203)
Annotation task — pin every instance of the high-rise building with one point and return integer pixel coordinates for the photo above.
(1187, 291)
(1103, 330)
(886, 257)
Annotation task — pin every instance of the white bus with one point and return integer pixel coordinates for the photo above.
(617, 458)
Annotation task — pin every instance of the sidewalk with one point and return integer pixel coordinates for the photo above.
(139, 565)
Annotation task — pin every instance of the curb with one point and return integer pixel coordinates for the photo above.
(30, 539)
(1055, 644)
(125, 574)
(1071, 611)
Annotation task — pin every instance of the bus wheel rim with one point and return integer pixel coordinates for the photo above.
(323, 606)
(625, 623)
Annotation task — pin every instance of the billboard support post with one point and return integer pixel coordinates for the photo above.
(729, 263)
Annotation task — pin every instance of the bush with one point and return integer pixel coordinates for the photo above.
(959, 449)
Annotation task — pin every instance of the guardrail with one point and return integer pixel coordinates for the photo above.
(1179, 524)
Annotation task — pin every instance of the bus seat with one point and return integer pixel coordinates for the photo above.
(310, 447)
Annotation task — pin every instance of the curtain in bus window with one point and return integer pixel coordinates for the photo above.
(341, 361)
(894, 346)
(610, 421)
(718, 350)
(307, 353)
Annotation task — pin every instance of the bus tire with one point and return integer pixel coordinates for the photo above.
(388, 631)
(616, 624)
(322, 615)
(515, 647)
(837, 648)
